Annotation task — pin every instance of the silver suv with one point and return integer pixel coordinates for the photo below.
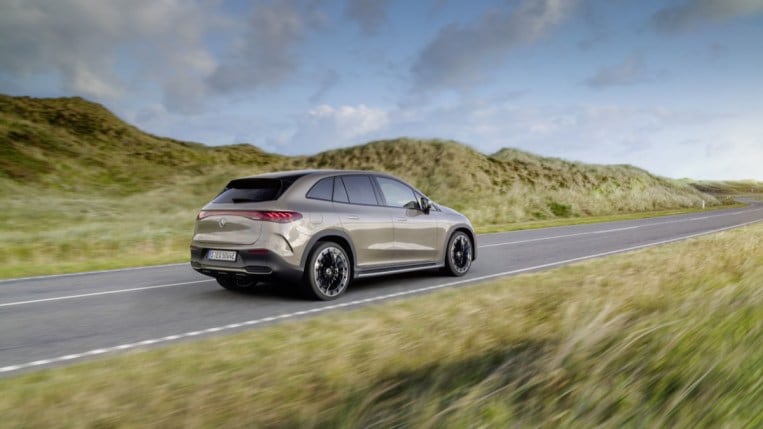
(325, 228)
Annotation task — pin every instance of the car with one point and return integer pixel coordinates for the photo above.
(324, 228)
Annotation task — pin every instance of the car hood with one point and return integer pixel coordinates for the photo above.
(449, 211)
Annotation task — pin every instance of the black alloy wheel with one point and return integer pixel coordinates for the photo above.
(459, 255)
(327, 272)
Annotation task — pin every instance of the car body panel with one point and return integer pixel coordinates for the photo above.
(372, 232)
(227, 228)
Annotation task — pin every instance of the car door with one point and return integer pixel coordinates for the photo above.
(415, 232)
(369, 228)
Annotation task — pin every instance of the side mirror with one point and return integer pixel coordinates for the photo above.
(425, 205)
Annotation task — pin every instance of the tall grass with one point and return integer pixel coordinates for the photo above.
(81, 189)
(45, 231)
(666, 337)
(729, 187)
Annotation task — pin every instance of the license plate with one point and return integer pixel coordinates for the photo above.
(222, 255)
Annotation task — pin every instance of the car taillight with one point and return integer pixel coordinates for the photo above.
(280, 217)
(264, 215)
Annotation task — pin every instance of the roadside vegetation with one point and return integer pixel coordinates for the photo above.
(610, 342)
(83, 190)
(735, 188)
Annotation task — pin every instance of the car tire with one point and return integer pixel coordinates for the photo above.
(328, 271)
(236, 283)
(459, 254)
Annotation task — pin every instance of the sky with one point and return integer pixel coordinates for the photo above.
(672, 86)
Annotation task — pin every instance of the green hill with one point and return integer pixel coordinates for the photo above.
(512, 185)
(729, 187)
(83, 189)
(71, 144)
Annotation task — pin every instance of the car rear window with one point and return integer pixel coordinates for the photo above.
(254, 190)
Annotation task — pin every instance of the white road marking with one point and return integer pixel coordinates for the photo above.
(85, 273)
(117, 270)
(108, 292)
(577, 234)
(85, 295)
(604, 231)
(730, 212)
(127, 346)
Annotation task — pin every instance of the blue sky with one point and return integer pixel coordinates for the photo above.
(671, 86)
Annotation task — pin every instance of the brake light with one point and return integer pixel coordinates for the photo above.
(280, 217)
(264, 215)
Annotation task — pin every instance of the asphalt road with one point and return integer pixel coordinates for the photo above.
(55, 320)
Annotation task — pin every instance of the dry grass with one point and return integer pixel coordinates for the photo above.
(729, 187)
(81, 189)
(54, 232)
(513, 186)
(556, 222)
(613, 342)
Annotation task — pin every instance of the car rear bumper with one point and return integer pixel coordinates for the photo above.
(262, 264)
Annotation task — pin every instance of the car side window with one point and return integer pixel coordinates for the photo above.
(396, 193)
(322, 190)
(360, 190)
(340, 193)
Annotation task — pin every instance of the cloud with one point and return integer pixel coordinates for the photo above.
(631, 71)
(84, 44)
(369, 14)
(111, 50)
(265, 54)
(589, 132)
(329, 80)
(462, 55)
(325, 127)
(349, 121)
(692, 13)
(596, 26)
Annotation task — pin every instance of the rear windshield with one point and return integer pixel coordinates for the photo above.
(254, 190)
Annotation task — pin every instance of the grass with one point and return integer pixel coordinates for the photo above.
(612, 342)
(729, 187)
(96, 232)
(56, 232)
(82, 190)
(513, 186)
(595, 219)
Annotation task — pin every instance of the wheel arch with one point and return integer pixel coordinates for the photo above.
(336, 236)
(469, 232)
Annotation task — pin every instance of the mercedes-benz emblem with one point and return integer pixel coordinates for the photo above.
(221, 222)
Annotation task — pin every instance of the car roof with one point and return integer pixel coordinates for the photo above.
(311, 172)
(321, 173)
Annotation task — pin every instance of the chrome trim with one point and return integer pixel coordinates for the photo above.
(227, 269)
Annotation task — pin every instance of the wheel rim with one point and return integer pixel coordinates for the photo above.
(331, 271)
(461, 253)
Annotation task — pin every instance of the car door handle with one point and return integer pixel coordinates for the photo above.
(401, 219)
(352, 217)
